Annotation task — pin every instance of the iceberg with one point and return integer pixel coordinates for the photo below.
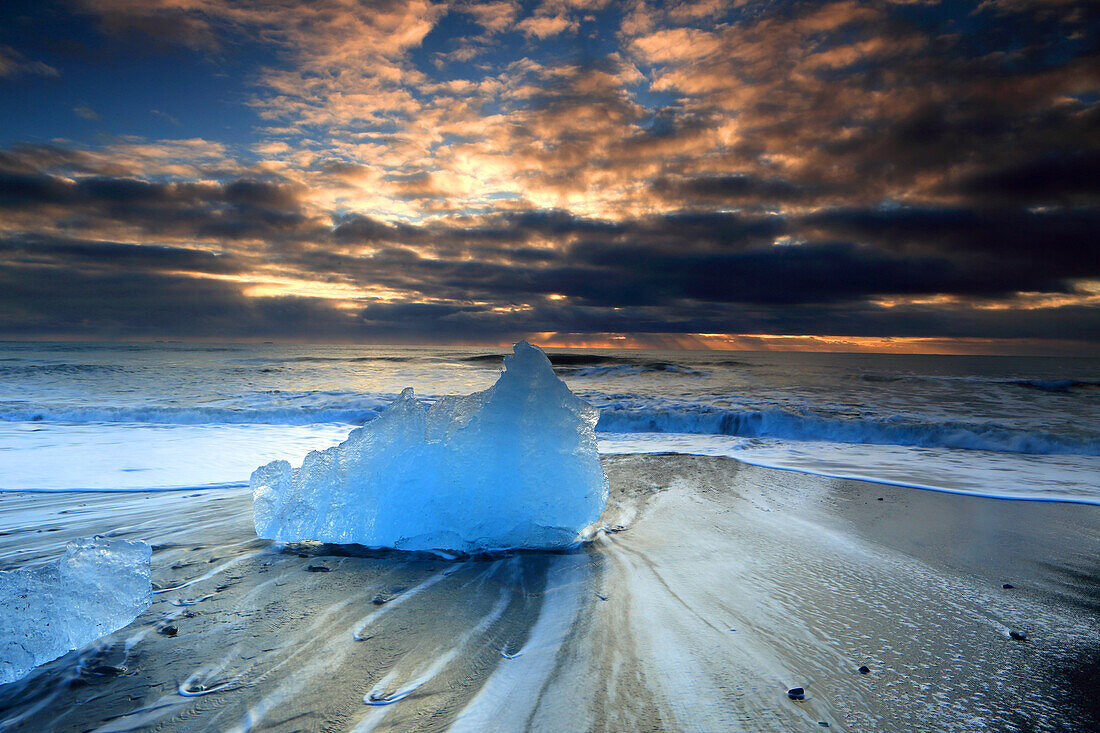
(99, 586)
(514, 466)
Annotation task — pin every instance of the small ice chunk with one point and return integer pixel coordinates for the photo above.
(512, 466)
(99, 586)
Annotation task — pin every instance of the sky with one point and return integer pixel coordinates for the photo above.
(908, 176)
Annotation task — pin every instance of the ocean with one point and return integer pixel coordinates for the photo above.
(169, 416)
(709, 591)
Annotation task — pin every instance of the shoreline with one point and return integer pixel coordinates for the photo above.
(726, 585)
(740, 459)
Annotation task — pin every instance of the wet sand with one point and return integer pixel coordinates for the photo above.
(716, 587)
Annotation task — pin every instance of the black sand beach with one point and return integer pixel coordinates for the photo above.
(716, 588)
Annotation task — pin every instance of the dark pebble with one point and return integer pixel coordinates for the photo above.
(168, 630)
(823, 724)
(317, 569)
(379, 600)
(864, 669)
(881, 499)
(1018, 635)
(1008, 586)
(796, 693)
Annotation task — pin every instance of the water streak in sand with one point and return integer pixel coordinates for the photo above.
(509, 698)
(390, 605)
(378, 695)
(210, 574)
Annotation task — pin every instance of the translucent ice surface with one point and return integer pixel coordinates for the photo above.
(98, 587)
(512, 466)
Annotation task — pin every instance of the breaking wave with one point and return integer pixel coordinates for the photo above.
(294, 409)
(262, 361)
(57, 369)
(1057, 385)
(1061, 386)
(786, 425)
(281, 409)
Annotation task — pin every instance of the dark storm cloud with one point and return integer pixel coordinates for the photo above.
(117, 290)
(30, 189)
(236, 209)
(660, 268)
(810, 273)
(682, 229)
(359, 229)
(1054, 178)
(37, 301)
(112, 256)
(710, 258)
(507, 229)
(1059, 243)
(730, 189)
(1074, 323)
(1023, 140)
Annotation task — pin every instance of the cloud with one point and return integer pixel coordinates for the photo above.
(1067, 178)
(730, 189)
(86, 112)
(544, 26)
(117, 257)
(494, 17)
(13, 64)
(131, 304)
(1058, 243)
(237, 209)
